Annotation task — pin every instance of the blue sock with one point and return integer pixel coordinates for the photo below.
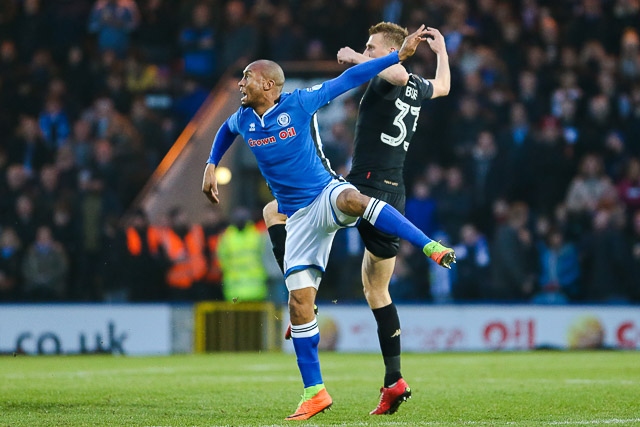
(305, 341)
(388, 220)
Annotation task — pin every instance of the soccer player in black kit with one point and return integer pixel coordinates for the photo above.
(386, 122)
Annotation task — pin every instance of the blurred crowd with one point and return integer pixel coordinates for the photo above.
(530, 167)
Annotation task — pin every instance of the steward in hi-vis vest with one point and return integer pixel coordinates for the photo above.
(240, 251)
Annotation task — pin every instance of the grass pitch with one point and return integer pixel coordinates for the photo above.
(523, 389)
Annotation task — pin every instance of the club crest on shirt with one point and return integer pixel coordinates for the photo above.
(284, 119)
(252, 127)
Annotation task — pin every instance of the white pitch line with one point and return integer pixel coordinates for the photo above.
(611, 421)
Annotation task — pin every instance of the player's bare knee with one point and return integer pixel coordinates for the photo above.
(300, 307)
(352, 202)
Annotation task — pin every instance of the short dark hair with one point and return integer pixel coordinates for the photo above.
(393, 34)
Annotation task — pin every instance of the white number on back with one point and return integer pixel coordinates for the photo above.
(403, 110)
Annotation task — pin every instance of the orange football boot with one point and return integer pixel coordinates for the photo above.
(308, 408)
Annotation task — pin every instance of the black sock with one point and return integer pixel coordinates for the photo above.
(278, 235)
(389, 336)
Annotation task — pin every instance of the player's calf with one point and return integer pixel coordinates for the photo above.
(287, 333)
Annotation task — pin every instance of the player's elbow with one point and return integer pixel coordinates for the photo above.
(441, 89)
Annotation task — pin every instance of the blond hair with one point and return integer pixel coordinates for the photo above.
(392, 34)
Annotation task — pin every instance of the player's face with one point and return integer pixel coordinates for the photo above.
(250, 86)
(376, 47)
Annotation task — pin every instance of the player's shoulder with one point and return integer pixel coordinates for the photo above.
(421, 85)
(419, 81)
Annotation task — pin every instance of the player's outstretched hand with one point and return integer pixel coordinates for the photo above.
(436, 41)
(210, 184)
(411, 43)
(346, 55)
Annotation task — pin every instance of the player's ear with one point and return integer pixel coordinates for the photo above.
(268, 84)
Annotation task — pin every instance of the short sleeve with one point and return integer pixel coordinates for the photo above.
(425, 88)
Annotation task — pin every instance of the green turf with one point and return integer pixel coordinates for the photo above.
(535, 389)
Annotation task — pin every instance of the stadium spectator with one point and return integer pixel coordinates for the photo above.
(559, 270)
(471, 281)
(10, 265)
(604, 255)
(77, 75)
(198, 45)
(24, 219)
(422, 209)
(48, 192)
(149, 128)
(410, 279)
(54, 123)
(113, 21)
(484, 169)
(28, 148)
(513, 257)
(145, 268)
(183, 244)
(139, 76)
(156, 34)
(516, 141)
(15, 184)
(238, 36)
(44, 268)
(629, 186)
(81, 143)
(616, 154)
(95, 202)
(549, 168)
(240, 251)
(454, 204)
(31, 29)
(586, 191)
(187, 103)
(210, 287)
(113, 284)
(465, 126)
(68, 172)
(65, 230)
(284, 36)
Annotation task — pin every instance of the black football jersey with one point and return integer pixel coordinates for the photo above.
(386, 123)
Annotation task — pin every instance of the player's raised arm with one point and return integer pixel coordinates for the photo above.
(442, 81)
(355, 76)
(411, 43)
(396, 74)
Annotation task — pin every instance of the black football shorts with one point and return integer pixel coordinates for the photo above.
(380, 244)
